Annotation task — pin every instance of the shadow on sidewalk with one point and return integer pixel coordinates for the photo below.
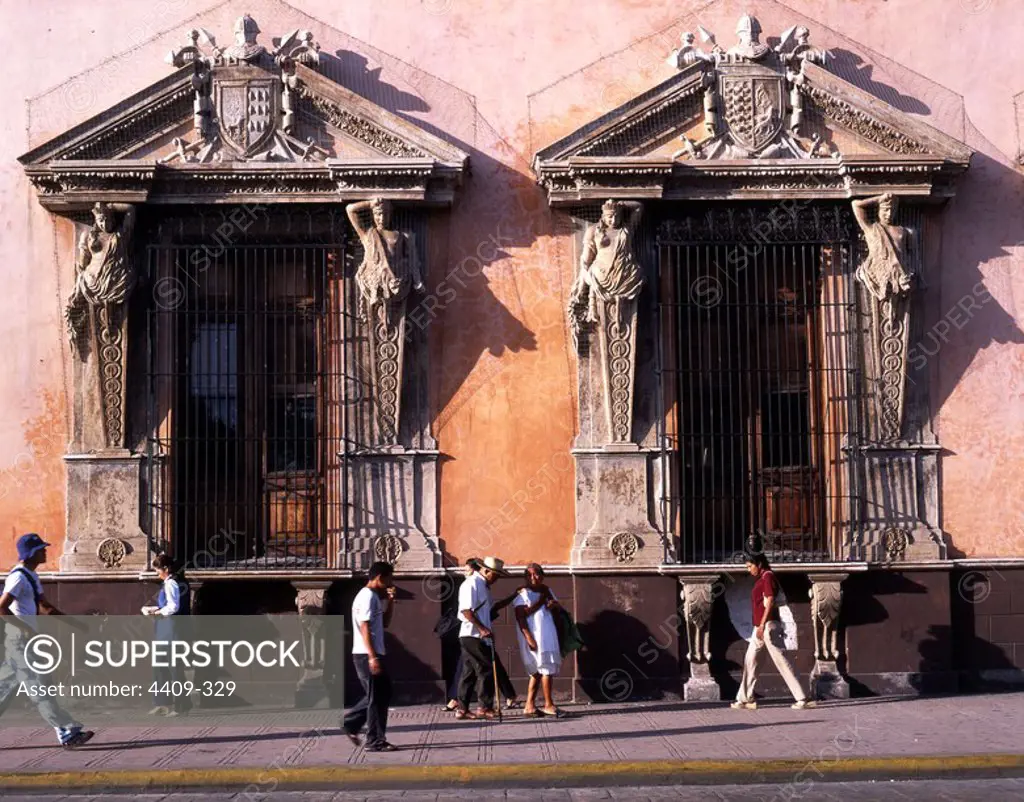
(618, 736)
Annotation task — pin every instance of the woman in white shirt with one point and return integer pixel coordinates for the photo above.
(538, 640)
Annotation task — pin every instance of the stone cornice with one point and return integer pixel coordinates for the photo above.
(581, 179)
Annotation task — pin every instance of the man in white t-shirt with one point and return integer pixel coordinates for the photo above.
(371, 614)
(477, 640)
(22, 600)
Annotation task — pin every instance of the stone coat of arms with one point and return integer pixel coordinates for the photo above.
(246, 113)
(753, 107)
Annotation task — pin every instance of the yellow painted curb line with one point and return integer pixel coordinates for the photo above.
(257, 779)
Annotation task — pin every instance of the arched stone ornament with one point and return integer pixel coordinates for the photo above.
(111, 552)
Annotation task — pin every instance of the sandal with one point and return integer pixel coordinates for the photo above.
(451, 705)
(534, 713)
(463, 715)
(556, 714)
(513, 704)
(489, 715)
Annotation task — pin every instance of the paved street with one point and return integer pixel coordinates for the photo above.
(925, 791)
(803, 752)
(599, 733)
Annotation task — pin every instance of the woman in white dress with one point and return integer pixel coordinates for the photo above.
(538, 639)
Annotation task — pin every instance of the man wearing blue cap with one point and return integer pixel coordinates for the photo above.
(23, 597)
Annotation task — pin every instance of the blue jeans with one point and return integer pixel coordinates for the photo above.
(14, 671)
(372, 707)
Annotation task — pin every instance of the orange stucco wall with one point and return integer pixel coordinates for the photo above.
(503, 78)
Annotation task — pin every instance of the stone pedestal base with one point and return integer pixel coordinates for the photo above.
(827, 682)
(393, 510)
(616, 508)
(701, 686)
(103, 532)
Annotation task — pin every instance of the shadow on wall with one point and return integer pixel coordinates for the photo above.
(624, 660)
(852, 67)
(986, 632)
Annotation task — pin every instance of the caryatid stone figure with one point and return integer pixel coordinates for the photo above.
(390, 263)
(389, 268)
(887, 274)
(609, 271)
(605, 293)
(104, 273)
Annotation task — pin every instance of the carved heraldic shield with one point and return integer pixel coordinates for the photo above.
(246, 113)
(753, 108)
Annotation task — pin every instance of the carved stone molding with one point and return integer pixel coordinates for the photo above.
(387, 548)
(698, 596)
(111, 552)
(624, 546)
(826, 607)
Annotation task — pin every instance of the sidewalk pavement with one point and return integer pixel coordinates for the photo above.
(627, 744)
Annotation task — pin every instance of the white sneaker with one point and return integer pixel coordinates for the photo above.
(804, 703)
(159, 710)
(744, 705)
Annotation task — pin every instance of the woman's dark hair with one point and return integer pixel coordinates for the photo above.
(163, 561)
(474, 563)
(758, 559)
(536, 568)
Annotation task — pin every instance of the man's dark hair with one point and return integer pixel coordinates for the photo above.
(380, 568)
(474, 563)
(163, 561)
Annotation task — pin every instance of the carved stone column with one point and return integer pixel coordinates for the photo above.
(698, 597)
(103, 477)
(826, 607)
(310, 603)
(617, 478)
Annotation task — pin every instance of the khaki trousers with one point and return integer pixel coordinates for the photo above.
(773, 642)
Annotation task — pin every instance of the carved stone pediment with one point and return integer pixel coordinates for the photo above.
(244, 123)
(751, 122)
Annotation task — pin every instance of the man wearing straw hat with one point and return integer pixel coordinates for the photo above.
(477, 640)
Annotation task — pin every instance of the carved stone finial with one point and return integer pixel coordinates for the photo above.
(749, 48)
(245, 49)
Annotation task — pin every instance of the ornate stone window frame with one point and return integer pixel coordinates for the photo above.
(621, 156)
(225, 127)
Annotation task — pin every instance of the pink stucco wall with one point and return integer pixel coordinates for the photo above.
(503, 78)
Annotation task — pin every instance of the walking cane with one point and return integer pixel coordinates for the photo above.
(494, 669)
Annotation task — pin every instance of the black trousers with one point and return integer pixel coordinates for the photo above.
(504, 683)
(372, 707)
(477, 673)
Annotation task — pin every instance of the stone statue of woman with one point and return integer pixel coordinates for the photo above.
(887, 271)
(390, 263)
(608, 270)
(104, 272)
